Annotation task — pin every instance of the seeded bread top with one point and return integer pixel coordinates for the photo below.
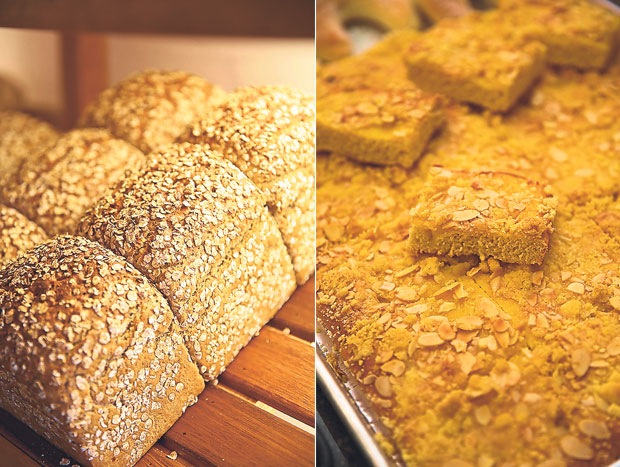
(69, 177)
(185, 202)
(17, 234)
(22, 137)
(150, 109)
(266, 131)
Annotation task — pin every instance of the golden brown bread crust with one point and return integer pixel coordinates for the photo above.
(56, 189)
(269, 133)
(17, 234)
(22, 138)
(92, 357)
(150, 109)
(181, 221)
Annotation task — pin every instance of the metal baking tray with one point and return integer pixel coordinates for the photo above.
(345, 395)
(351, 403)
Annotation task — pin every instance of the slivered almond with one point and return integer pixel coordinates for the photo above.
(576, 287)
(594, 429)
(430, 339)
(469, 323)
(615, 302)
(500, 325)
(481, 204)
(488, 308)
(445, 331)
(406, 294)
(537, 277)
(395, 367)
(483, 415)
(575, 448)
(383, 386)
(580, 361)
(466, 215)
(466, 362)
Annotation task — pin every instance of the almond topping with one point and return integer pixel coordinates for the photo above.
(500, 325)
(430, 339)
(445, 331)
(481, 204)
(575, 448)
(383, 386)
(576, 287)
(580, 360)
(406, 294)
(537, 277)
(615, 302)
(466, 215)
(488, 308)
(469, 323)
(395, 367)
(594, 429)
(483, 415)
(466, 362)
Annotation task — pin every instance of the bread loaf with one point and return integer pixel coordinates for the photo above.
(198, 228)
(150, 109)
(55, 189)
(91, 356)
(17, 234)
(268, 132)
(22, 138)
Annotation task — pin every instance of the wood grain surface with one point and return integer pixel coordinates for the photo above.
(261, 411)
(249, 18)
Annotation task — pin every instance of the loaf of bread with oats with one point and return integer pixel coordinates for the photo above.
(150, 109)
(198, 228)
(268, 133)
(92, 358)
(56, 188)
(22, 138)
(17, 233)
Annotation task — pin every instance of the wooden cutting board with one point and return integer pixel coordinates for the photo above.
(261, 411)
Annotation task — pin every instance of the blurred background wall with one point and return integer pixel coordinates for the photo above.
(33, 60)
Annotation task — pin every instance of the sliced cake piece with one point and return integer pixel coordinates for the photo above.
(493, 214)
(380, 126)
(579, 33)
(472, 60)
(91, 358)
(268, 132)
(199, 229)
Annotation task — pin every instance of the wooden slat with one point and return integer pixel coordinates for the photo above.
(27, 441)
(85, 71)
(277, 369)
(158, 457)
(273, 18)
(224, 428)
(298, 313)
(12, 455)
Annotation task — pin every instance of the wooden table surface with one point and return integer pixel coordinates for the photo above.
(261, 412)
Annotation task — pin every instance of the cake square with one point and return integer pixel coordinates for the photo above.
(472, 60)
(386, 126)
(579, 33)
(494, 214)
